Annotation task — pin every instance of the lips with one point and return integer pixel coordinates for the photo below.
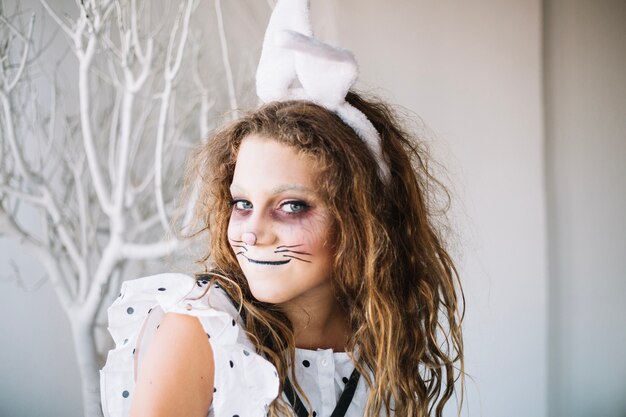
(258, 262)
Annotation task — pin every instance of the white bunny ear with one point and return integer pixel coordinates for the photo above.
(325, 72)
(276, 71)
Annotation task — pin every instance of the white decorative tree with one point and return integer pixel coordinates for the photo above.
(101, 162)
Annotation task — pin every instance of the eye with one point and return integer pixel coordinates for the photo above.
(293, 207)
(241, 205)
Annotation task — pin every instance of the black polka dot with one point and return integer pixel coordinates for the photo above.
(306, 363)
(125, 394)
(198, 284)
(345, 380)
(161, 289)
(133, 351)
(158, 325)
(245, 352)
(130, 310)
(214, 389)
(125, 341)
(233, 322)
(314, 413)
(120, 294)
(232, 365)
(149, 311)
(208, 335)
(236, 415)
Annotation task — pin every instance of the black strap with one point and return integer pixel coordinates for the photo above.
(294, 400)
(342, 405)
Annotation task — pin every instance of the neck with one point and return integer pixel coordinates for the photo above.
(318, 322)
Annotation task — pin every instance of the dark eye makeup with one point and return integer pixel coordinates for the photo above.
(290, 207)
(294, 206)
(240, 204)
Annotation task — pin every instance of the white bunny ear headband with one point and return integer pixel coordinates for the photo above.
(325, 72)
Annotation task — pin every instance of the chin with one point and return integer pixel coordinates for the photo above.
(269, 296)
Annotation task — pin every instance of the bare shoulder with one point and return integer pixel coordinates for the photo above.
(176, 375)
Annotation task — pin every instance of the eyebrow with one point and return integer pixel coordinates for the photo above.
(277, 190)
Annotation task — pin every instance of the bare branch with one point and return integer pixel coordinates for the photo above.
(173, 70)
(18, 74)
(64, 236)
(146, 69)
(83, 221)
(15, 31)
(29, 198)
(47, 258)
(57, 19)
(21, 283)
(122, 159)
(205, 103)
(113, 128)
(23, 169)
(133, 26)
(170, 73)
(149, 251)
(88, 139)
(232, 98)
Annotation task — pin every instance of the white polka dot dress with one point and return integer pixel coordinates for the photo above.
(245, 382)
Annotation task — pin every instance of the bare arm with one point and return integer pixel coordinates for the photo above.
(176, 377)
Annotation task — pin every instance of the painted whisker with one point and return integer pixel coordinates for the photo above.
(295, 257)
(292, 251)
(240, 246)
(288, 246)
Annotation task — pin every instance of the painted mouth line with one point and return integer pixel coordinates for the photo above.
(254, 261)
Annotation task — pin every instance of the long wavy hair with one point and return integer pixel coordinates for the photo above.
(391, 273)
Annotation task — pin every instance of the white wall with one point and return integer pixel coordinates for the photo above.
(586, 156)
(472, 72)
(38, 371)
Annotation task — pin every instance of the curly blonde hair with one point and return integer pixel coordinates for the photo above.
(391, 271)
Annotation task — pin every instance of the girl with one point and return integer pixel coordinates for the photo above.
(326, 289)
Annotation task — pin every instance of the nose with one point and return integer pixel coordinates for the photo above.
(249, 238)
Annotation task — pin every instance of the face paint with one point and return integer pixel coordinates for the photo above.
(274, 198)
(290, 253)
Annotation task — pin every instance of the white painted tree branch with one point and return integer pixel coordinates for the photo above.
(45, 256)
(11, 84)
(113, 131)
(68, 31)
(29, 198)
(134, 31)
(149, 251)
(170, 73)
(98, 212)
(122, 159)
(23, 170)
(205, 103)
(83, 220)
(85, 58)
(232, 97)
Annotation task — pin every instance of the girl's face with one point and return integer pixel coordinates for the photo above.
(279, 227)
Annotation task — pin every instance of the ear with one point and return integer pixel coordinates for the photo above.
(325, 72)
(276, 71)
